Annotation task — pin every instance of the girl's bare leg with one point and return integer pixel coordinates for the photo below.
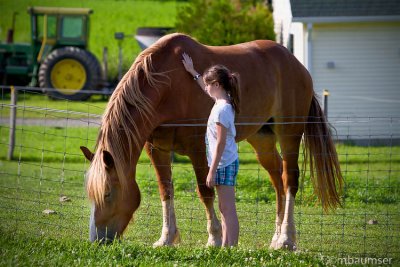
(224, 237)
(230, 222)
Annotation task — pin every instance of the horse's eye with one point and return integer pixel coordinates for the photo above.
(107, 195)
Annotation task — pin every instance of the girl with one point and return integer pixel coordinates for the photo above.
(222, 156)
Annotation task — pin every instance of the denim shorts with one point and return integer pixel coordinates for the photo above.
(227, 175)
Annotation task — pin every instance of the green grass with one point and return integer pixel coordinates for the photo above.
(108, 17)
(32, 105)
(49, 164)
(52, 252)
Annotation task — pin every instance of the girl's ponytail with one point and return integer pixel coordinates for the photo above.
(234, 91)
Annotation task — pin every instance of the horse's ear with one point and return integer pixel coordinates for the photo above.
(108, 159)
(86, 152)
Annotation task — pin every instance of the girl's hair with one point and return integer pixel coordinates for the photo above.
(228, 80)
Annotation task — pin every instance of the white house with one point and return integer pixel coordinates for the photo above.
(352, 49)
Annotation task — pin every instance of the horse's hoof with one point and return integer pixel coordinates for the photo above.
(160, 243)
(274, 242)
(164, 241)
(215, 238)
(214, 242)
(177, 238)
(284, 242)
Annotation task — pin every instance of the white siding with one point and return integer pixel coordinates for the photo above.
(365, 80)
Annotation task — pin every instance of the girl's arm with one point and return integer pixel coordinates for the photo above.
(188, 64)
(219, 149)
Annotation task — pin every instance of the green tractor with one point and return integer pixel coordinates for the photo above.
(57, 56)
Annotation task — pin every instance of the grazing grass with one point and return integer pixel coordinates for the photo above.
(31, 105)
(49, 164)
(18, 251)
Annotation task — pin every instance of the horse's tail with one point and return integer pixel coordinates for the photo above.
(320, 152)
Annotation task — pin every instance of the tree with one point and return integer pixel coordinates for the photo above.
(226, 22)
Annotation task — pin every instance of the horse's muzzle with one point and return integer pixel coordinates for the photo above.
(103, 235)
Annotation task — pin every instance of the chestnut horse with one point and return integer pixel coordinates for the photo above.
(278, 104)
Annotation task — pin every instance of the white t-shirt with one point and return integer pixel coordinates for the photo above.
(223, 113)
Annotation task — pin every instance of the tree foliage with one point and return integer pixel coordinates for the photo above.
(225, 22)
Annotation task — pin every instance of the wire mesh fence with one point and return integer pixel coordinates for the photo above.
(42, 190)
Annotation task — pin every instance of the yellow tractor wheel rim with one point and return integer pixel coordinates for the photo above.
(68, 74)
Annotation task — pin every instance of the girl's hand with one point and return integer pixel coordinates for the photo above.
(188, 64)
(210, 180)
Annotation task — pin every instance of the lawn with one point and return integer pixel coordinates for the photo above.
(49, 164)
(52, 252)
(37, 106)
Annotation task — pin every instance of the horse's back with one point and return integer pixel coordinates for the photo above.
(273, 82)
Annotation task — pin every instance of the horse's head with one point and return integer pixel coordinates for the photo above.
(141, 102)
(113, 202)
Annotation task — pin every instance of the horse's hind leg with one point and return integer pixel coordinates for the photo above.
(264, 144)
(162, 164)
(290, 144)
(207, 196)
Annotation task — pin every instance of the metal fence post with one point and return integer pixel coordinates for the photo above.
(13, 120)
(326, 94)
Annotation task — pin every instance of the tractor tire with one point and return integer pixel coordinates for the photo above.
(70, 68)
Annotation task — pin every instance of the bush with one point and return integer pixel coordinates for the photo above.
(225, 22)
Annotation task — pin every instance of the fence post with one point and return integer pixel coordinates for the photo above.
(13, 120)
(326, 94)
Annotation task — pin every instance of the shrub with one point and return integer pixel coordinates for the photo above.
(225, 22)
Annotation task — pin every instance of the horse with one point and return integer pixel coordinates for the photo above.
(278, 106)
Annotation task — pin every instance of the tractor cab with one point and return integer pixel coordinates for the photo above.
(54, 27)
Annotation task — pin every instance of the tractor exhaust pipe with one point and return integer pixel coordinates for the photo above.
(10, 32)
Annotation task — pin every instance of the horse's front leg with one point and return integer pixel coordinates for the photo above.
(207, 196)
(162, 164)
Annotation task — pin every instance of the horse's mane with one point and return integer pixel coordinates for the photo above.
(119, 132)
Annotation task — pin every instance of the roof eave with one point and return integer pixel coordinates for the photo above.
(345, 19)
